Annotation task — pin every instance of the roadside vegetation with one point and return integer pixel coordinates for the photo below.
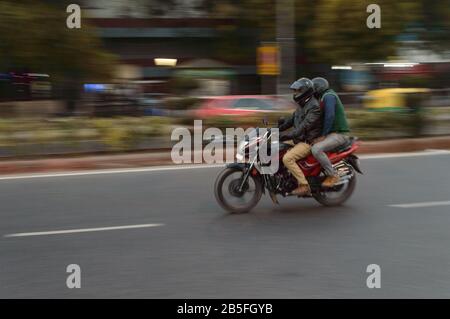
(35, 136)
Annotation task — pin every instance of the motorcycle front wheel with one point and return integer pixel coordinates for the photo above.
(228, 195)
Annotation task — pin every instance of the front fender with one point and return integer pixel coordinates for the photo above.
(240, 166)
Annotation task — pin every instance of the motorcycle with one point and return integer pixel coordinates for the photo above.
(239, 187)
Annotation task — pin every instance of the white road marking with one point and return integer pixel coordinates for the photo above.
(112, 171)
(195, 166)
(423, 204)
(83, 230)
(408, 154)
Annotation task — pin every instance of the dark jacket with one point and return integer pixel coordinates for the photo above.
(307, 123)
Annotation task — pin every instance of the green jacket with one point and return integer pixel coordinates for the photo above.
(340, 120)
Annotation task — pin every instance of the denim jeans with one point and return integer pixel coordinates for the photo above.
(330, 142)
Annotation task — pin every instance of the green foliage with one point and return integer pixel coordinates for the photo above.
(435, 21)
(259, 14)
(334, 31)
(126, 133)
(368, 124)
(339, 33)
(113, 133)
(25, 136)
(34, 35)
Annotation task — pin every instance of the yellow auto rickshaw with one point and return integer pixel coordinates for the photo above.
(395, 99)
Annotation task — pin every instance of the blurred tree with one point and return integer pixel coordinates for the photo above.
(34, 36)
(253, 22)
(332, 31)
(339, 34)
(255, 14)
(435, 20)
(158, 8)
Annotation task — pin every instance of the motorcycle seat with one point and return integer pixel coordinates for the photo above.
(346, 146)
(342, 148)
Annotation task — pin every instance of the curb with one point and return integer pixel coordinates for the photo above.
(130, 160)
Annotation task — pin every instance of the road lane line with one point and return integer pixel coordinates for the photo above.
(423, 204)
(195, 166)
(112, 171)
(409, 154)
(82, 230)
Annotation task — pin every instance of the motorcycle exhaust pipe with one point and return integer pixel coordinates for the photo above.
(344, 180)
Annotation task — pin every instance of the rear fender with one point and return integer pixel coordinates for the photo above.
(353, 160)
(337, 157)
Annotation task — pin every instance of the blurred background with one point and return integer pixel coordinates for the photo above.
(138, 68)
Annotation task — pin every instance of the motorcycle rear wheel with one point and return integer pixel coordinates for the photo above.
(232, 188)
(324, 199)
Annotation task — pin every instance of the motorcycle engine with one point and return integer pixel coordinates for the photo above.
(286, 182)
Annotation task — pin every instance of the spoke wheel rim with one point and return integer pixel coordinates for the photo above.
(231, 193)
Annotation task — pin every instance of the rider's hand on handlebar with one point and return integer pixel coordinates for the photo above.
(281, 121)
(285, 137)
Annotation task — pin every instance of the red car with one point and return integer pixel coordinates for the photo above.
(241, 105)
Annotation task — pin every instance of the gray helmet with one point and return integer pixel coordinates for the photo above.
(320, 85)
(304, 89)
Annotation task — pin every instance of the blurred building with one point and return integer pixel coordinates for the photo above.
(139, 32)
(143, 9)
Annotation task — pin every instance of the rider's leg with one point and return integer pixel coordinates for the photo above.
(331, 142)
(299, 151)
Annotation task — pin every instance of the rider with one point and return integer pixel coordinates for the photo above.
(306, 121)
(334, 129)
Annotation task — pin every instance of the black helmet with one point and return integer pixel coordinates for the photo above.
(304, 89)
(320, 85)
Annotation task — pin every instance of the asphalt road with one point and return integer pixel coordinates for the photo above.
(296, 250)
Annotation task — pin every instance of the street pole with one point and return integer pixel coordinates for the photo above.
(285, 24)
